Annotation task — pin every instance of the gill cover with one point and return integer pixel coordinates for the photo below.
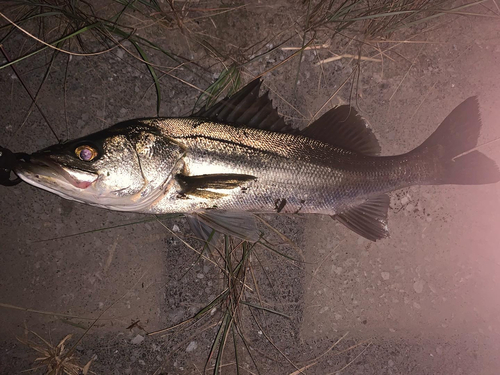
(122, 168)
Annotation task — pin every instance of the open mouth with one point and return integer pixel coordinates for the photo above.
(41, 165)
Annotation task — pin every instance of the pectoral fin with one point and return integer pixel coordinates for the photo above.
(203, 185)
(369, 219)
(237, 224)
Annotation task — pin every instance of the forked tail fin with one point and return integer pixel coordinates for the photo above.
(450, 144)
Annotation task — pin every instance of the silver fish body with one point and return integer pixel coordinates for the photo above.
(292, 173)
(239, 156)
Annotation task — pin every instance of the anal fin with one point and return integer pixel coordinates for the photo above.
(368, 219)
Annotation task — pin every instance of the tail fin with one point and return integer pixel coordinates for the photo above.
(473, 168)
(451, 142)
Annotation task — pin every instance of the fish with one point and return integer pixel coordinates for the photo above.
(227, 163)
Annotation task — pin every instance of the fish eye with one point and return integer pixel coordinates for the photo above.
(86, 152)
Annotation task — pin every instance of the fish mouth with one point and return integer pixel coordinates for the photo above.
(42, 168)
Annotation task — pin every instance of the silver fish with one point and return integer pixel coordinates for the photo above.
(239, 157)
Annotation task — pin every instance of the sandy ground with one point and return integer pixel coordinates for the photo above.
(424, 301)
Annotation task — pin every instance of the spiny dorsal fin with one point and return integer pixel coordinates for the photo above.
(342, 127)
(247, 108)
(368, 219)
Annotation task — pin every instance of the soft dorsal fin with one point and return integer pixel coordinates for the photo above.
(247, 108)
(368, 219)
(343, 127)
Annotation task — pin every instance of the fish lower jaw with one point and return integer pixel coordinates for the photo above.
(36, 180)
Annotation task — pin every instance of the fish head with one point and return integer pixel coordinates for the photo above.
(125, 167)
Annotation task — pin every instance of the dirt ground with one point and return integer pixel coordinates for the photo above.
(424, 301)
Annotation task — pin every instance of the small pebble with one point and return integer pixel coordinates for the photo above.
(418, 286)
(323, 309)
(137, 340)
(385, 275)
(192, 346)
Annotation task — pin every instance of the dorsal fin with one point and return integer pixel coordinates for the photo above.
(368, 219)
(247, 108)
(343, 127)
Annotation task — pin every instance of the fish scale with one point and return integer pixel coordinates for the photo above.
(313, 177)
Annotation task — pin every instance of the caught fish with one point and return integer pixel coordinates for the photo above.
(225, 163)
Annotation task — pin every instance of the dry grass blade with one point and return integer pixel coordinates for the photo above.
(216, 302)
(51, 313)
(284, 238)
(274, 345)
(316, 360)
(234, 264)
(35, 98)
(439, 13)
(54, 44)
(352, 360)
(236, 276)
(406, 74)
(200, 253)
(347, 56)
(334, 94)
(2, 49)
(31, 54)
(303, 368)
(54, 359)
(266, 309)
(81, 19)
(107, 228)
(152, 71)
